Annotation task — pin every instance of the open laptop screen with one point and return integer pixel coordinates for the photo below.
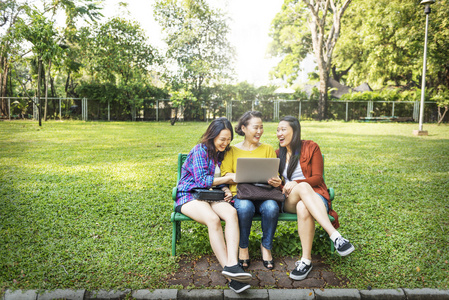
(256, 170)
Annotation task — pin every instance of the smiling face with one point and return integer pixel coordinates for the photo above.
(284, 134)
(222, 140)
(254, 130)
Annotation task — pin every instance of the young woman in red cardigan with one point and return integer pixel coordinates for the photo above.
(301, 167)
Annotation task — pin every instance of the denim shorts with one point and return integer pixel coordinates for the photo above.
(322, 198)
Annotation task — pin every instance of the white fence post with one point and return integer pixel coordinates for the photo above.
(415, 110)
(347, 109)
(276, 110)
(84, 109)
(35, 112)
(229, 110)
(370, 108)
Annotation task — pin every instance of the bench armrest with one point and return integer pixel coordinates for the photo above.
(173, 193)
(331, 193)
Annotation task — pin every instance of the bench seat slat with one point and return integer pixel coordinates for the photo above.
(175, 216)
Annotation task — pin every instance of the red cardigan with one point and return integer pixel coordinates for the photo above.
(312, 164)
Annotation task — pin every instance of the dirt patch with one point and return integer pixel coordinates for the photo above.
(205, 271)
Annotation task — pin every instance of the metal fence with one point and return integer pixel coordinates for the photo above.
(163, 109)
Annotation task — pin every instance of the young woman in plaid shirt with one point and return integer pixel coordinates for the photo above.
(201, 169)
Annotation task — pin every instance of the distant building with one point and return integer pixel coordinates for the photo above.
(340, 89)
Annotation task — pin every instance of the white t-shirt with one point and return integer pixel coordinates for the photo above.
(297, 173)
(217, 172)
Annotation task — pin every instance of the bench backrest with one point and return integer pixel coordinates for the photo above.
(181, 159)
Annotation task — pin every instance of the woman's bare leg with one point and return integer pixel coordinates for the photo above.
(306, 229)
(203, 213)
(304, 192)
(228, 213)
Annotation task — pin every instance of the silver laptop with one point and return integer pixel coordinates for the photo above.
(256, 170)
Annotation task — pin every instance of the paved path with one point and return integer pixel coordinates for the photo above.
(206, 272)
(255, 294)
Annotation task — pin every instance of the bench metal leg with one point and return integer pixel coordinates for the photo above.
(178, 231)
(173, 238)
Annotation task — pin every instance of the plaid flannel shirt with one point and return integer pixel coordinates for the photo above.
(197, 172)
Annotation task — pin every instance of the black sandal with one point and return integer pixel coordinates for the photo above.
(268, 262)
(245, 261)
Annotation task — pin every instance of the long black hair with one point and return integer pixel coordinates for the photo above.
(214, 129)
(295, 146)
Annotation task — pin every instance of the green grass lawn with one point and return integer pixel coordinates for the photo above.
(87, 205)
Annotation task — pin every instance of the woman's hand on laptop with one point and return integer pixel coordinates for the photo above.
(275, 181)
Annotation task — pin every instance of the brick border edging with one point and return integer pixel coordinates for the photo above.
(211, 294)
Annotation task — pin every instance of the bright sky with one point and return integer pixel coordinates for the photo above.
(250, 26)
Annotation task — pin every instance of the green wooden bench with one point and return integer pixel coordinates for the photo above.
(177, 218)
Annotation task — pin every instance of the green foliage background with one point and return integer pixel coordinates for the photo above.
(87, 205)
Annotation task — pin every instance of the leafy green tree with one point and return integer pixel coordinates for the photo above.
(198, 46)
(90, 12)
(323, 18)
(16, 15)
(117, 52)
(291, 40)
(180, 98)
(11, 11)
(438, 52)
(21, 106)
(382, 43)
(442, 99)
(40, 32)
(376, 45)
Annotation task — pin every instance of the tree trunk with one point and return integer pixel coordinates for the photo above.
(3, 84)
(323, 42)
(446, 108)
(46, 91)
(67, 82)
(173, 120)
(52, 87)
(39, 111)
(323, 65)
(323, 103)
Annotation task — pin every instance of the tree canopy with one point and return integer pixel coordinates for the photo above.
(118, 51)
(323, 20)
(197, 39)
(354, 41)
(382, 43)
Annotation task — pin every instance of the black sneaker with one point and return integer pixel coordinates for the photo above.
(236, 272)
(301, 271)
(238, 286)
(343, 246)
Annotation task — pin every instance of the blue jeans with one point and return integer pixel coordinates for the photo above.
(268, 209)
